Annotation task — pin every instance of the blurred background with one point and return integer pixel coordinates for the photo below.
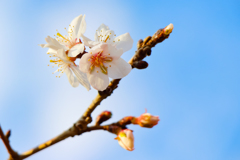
(192, 81)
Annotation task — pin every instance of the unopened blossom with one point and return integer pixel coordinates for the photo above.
(105, 35)
(101, 62)
(65, 63)
(104, 116)
(168, 29)
(125, 139)
(76, 28)
(147, 120)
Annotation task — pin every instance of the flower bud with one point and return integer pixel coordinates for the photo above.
(168, 29)
(147, 120)
(104, 116)
(125, 139)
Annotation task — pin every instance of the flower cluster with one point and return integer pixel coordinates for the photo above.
(102, 61)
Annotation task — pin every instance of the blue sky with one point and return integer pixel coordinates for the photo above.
(192, 81)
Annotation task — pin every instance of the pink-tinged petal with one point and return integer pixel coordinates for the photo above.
(84, 62)
(98, 80)
(81, 77)
(111, 51)
(72, 80)
(119, 68)
(76, 50)
(124, 41)
(147, 120)
(77, 27)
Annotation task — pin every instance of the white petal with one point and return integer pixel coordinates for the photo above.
(98, 80)
(86, 40)
(77, 27)
(99, 32)
(72, 80)
(52, 51)
(104, 34)
(84, 63)
(124, 41)
(102, 26)
(122, 144)
(52, 43)
(111, 51)
(81, 77)
(62, 54)
(119, 68)
(82, 28)
(126, 144)
(93, 43)
(76, 50)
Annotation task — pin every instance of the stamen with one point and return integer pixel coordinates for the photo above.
(58, 34)
(103, 69)
(107, 38)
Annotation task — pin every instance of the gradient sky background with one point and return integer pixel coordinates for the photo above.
(192, 81)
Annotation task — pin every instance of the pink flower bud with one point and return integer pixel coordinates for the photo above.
(147, 120)
(125, 139)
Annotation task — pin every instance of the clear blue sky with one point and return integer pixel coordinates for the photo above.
(192, 81)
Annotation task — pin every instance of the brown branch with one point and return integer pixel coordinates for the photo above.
(12, 153)
(144, 49)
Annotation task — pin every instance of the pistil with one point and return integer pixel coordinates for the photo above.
(98, 61)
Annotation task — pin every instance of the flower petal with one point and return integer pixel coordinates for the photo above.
(103, 34)
(52, 43)
(86, 41)
(52, 51)
(111, 51)
(63, 56)
(98, 80)
(124, 41)
(76, 50)
(77, 27)
(72, 80)
(84, 63)
(81, 77)
(119, 68)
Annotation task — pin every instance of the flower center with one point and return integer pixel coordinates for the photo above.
(67, 40)
(98, 60)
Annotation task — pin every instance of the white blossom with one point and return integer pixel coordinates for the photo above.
(65, 63)
(101, 62)
(76, 28)
(105, 35)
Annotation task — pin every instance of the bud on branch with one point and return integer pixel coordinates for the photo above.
(104, 116)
